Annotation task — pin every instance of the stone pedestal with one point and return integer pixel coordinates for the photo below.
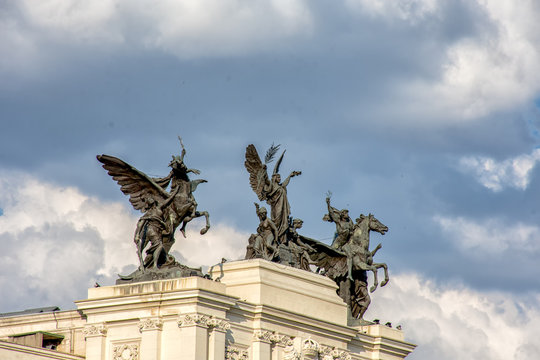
(258, 310)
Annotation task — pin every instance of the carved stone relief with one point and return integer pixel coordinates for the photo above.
(94, 330)
(126, 352)
(262, 335)
(193, 319)
(215, 323)
(331, 353)
(235, 353)
(150, 324)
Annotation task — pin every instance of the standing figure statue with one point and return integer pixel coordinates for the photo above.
(270, 189)
(263, 245)
(164, 211)
(151, 229)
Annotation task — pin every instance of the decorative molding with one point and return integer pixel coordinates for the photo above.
(150, 324)
(215, 323)
(331, 353)
(94, 330)
(281, 340)
(126, 352)
(262, 335)
(193, 320)
(235, 353)
(272, 337)
(290, 353)
(310, 349)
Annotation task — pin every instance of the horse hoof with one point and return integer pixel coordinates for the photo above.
(372, 289)
(384, 282)
(203, 231)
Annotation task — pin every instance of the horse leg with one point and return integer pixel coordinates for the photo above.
(385, 267)
(375, 280)
(207, 217)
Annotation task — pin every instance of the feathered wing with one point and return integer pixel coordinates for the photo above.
(133, 182)
(258, 177)
(331, 260)
(194, 183)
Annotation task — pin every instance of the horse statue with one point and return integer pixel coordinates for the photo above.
(357, 249)
(348, 259)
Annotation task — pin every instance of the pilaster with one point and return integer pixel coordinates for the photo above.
(216, 341)
(261, 345)
(95, 336)
(193, 336)
(150, 329)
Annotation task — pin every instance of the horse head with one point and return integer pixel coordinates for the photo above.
(373, 223)
(376, 225)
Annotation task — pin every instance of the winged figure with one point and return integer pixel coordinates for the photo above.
(163, 210)
(270, 188)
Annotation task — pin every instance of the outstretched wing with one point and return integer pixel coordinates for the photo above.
(334, 262)
(133, 182)
(195, 183)
(258, 177)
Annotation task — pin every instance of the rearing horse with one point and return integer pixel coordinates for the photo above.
(357, 248)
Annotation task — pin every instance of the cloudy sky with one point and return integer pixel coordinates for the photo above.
(423, 112)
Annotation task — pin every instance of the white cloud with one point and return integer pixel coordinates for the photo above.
(456, 322)
(221, 241)
(491, 236)
(56, 241)
(187, 29)
(495, 175)
(497, 69)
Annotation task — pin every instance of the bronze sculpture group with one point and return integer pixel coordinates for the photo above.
(163, 211)
(346, 261)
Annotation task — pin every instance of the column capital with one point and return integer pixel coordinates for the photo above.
(235, 353)
(200, 320)
(263, 336)
(331, 353)
(91, 330)
(218, 324)
(149, 324)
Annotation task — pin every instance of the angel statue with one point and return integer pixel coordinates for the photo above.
(270, 189)
(163, 211)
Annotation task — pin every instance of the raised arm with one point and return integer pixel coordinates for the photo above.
(333, 213)
(293, 174)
